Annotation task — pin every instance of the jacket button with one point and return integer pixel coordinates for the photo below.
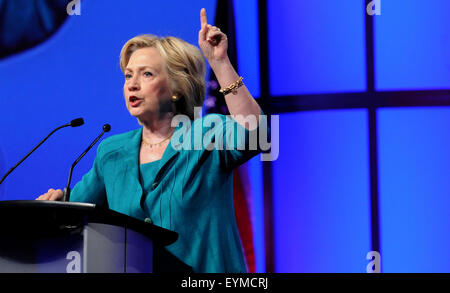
(148, 220)
(154, 185)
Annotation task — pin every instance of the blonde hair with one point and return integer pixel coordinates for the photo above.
(185, 67)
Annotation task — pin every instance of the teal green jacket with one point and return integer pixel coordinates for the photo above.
(192, 193)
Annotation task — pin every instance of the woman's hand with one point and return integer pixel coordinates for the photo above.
(212, 41)
(51, 194)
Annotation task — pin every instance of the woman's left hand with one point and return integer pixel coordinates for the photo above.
(212, 41)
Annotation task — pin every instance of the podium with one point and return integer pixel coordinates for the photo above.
(68, 237)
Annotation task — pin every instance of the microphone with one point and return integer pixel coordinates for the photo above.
(74, 123)
(66, 192)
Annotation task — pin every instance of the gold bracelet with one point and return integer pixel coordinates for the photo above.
(232, 88)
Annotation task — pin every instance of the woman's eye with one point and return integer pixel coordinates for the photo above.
(127, 76)
(148, 73)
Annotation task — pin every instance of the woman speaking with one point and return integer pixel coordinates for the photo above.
(157, 173)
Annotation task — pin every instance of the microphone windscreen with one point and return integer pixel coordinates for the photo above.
(106, 127)
(77, 122)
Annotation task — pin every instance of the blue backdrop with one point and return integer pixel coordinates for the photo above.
(321, 178)
(321, 184)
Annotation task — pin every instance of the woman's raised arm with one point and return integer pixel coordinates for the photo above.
(214, 45)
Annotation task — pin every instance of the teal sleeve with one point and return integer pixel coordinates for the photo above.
(233, 142)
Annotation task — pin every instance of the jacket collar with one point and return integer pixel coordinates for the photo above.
(130, 152)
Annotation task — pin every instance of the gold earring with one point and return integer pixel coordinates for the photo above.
(175, 97)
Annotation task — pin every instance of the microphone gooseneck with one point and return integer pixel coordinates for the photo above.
(66, 192)
(73, 123)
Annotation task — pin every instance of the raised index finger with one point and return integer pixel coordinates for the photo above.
(203, 19)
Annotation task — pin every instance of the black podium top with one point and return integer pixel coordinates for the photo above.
(30, 218)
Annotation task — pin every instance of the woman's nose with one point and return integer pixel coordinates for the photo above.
(133, 84)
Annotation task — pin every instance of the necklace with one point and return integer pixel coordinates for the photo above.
(155, 144)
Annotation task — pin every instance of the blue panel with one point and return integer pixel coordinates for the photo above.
(257, 205)
(412, 40)
(414, 166)
(76, 74)
(247, 41)
(321, 192)
(316, 46)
